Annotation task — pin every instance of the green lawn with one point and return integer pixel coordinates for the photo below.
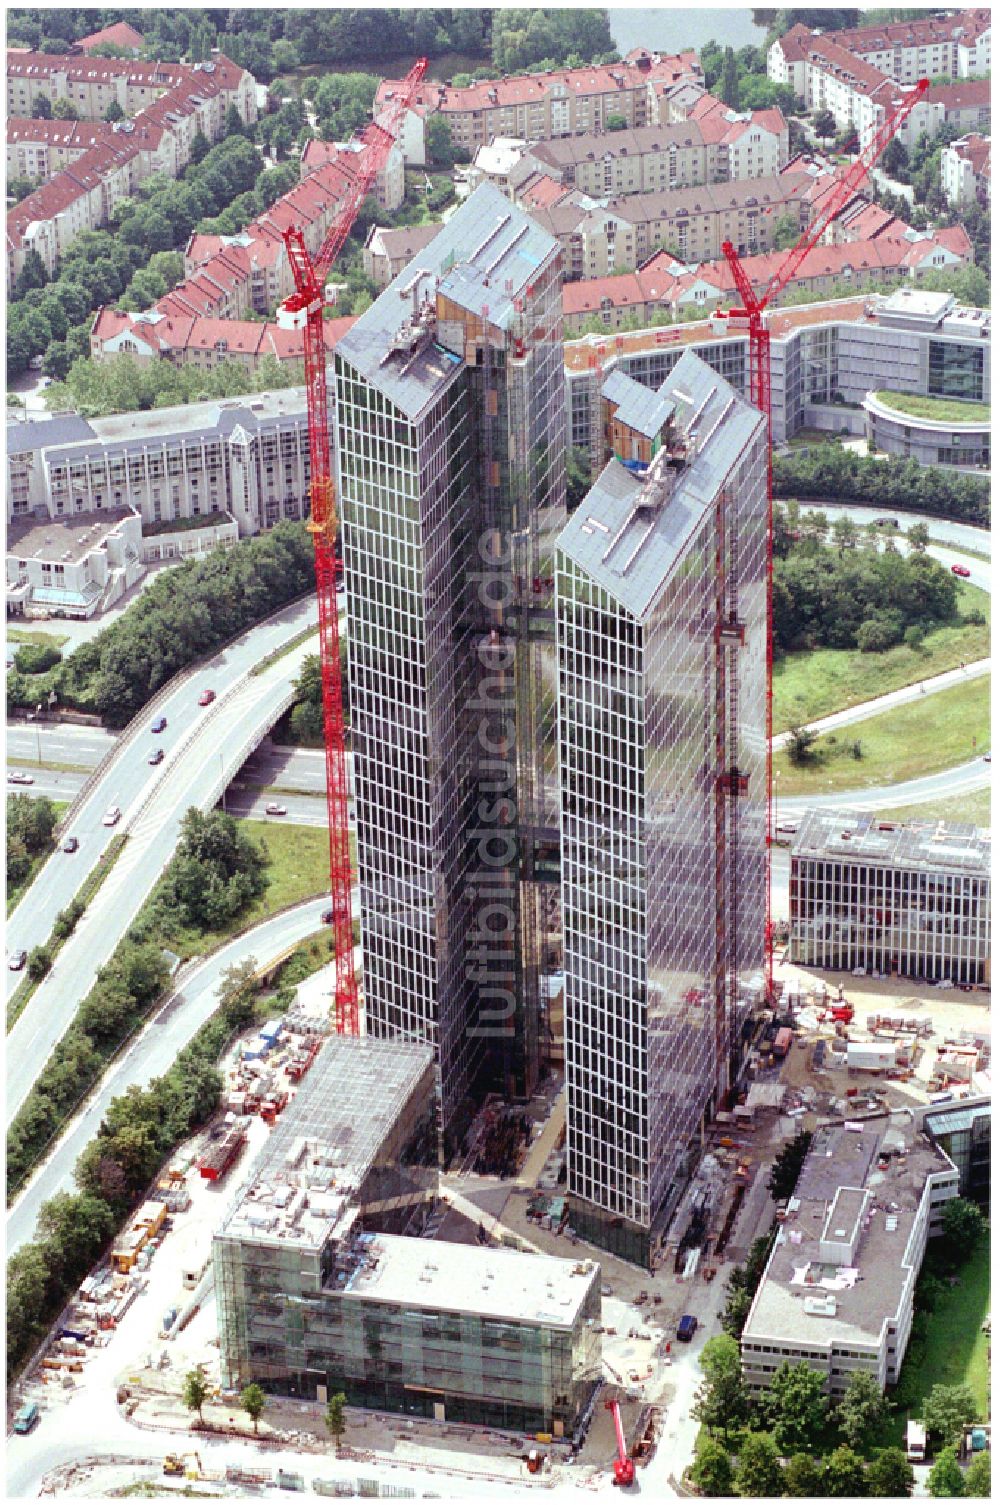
(26, 635)
(944, 410)
(922, 737)
(298, 867)
(810, 685)
(952, 1351)
(974, 808)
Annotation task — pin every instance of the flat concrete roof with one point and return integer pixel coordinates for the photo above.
(858, 836)
(866, 1293)
(503, 1284)
(63, 540)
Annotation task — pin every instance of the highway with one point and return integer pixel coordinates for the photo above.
(201, 764)
(156, 1048)
(128, 777)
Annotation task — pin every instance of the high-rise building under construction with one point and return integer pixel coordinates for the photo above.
(661, 619)
(450, 424)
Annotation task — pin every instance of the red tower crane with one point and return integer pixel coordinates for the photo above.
(624, 1467)
(304, 310)
(750, 317)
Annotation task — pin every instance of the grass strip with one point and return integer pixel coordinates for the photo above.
(85, 893)
(923, 737)
(44, 764)
(974, 809)
(813, 684)
(289, 647)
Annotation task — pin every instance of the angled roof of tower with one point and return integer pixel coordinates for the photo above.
(482, 259)
(630, 530)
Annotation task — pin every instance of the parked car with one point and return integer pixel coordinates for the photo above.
(71, 844)
(327, 917)
(156, 756)
(686, 1328)
(27, 1417)
(961, 569)
(160, 724)
(886, 522)
(17, 777)
(206, 697)
(787, 827)
(112, 815)
(273, 808)
(17, 960)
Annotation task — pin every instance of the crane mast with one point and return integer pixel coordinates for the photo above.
(749, 315)
(303, 310)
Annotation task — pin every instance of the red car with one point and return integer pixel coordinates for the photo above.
(960, 569)
(206, 697)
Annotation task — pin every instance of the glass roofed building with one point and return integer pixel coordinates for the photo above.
(661, 637)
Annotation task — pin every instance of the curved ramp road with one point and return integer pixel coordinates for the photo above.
(128, 778)
(201, 768)
(153, 1051)
(966, 779)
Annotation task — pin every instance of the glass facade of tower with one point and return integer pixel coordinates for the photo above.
(664, 873)
(451, 464)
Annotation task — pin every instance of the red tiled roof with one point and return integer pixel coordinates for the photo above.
(121, 34)
(962, 94)
(918, 32)
(720, 124)
(541, 192)
(241, 336)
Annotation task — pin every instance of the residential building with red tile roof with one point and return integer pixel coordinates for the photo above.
(561, 102)
(42, 148)
(965, 171)
(164, 100)
(121, 34)
(390, 182)
(196, 340)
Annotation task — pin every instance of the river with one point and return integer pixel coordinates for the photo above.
(664, 28)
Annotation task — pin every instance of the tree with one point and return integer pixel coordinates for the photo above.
(196, 1391)
(729, 86)
(200, 147)
(802, 1477)
(237, 990)
(32, 274)
(252, 1401)
(845, 533)
(27, 1285)
(945, 1480)
(825, 125)
(919, 536)
(233, 125)
(962, 1227)
(844, 1475)
(800, 745)
(758, 1469)
(41, 109)
(711, 1470)
(39, 962)
(795, 1404)
(441, 150)
(336, 1424)
(786, 232)
(114, 112)
(862, 1409)
(73, 1229)
(721, 1400)
(64, 109)
(977, 1478)
(947, 1410)
(890, 1476)
(577, 476)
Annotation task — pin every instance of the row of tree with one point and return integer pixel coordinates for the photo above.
(216, 872)
(30, 823)
(186, 613)
(829, 472)
(121, 384)
(853, 597)
(112, 1174)
(739, 78)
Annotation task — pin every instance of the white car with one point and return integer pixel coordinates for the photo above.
(273, 808)
(17, 777)
(112, 815)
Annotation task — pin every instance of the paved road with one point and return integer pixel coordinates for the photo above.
(195, 773)
(64, 742)
(962, 535)
(129, 777)
(966, 779)
(152, 1052)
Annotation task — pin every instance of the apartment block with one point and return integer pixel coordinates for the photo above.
(161, 98)
(965, 171)
(966, 106)
(390, 182)
(450, 454)
(75, 569)
(907, 900)
(661, 641)
(561, 102)
(43, 148)
(837, 1292)
(387, 252)
(825, 360)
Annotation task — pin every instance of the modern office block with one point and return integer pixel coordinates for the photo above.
(661, 635)
(318, 1292)
(909, 899)
(450, 474)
